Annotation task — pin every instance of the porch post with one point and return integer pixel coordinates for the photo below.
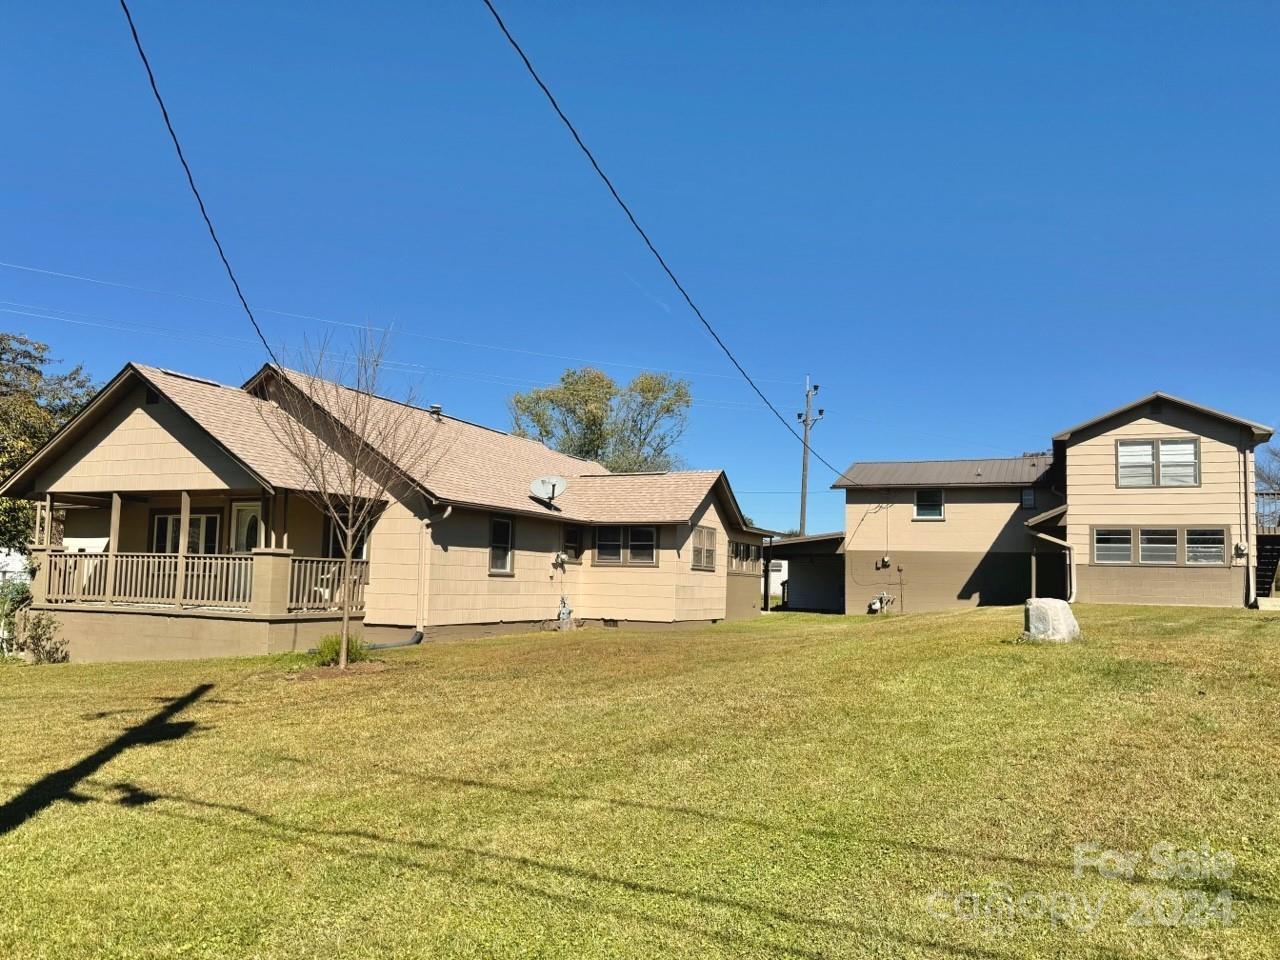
(266, 531)
(113, 547)
(184, 537)
(48, 520)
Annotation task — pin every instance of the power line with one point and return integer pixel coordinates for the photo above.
(191, 181)
(595, 165)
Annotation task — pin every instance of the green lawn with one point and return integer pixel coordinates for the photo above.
(796, 786)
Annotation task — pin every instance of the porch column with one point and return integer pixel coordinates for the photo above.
(266, 528)
(47, 540)
(113, 546)
(184, 537)
(271, 573)
(1033, 568)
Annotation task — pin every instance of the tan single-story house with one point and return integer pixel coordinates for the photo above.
(190, 532)
(1153, 502)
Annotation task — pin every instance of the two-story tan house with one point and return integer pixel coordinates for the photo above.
(189, 532)
(1153, 502)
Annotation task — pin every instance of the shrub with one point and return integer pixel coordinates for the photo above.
(14, 595)
(330, 644)
(40, 639)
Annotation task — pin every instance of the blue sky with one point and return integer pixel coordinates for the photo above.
(973, 224)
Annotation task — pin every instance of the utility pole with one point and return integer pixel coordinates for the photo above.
(807, 420)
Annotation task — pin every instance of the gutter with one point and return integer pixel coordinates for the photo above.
(1071, 562)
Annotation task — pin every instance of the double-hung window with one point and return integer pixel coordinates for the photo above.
(642, 545)
(929, 505)
(1179, 463)
(573, 543)
(1172, 462)
(608, 544)
(704, 548)
(501, 545)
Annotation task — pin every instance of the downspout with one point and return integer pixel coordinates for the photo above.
(1250, 574)
(422, 564)
(1071, 562)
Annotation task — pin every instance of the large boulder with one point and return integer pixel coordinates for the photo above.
(1050, 620)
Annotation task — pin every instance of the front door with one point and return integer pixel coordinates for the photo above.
(246, 526)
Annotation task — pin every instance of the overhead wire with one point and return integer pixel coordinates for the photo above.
(644, 236)
(191, 182)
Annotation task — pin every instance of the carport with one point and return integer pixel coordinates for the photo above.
(815, 571)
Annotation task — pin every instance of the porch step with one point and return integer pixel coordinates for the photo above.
(1269, 603)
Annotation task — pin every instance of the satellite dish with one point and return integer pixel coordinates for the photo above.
(548, 488)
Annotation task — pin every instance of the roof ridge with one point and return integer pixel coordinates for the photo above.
(441, 414)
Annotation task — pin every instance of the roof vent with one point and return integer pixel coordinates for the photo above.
(435, 410)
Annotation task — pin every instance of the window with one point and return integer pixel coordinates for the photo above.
(1207, 546)
(202, 532)
(1028, 498)
(333, 542)
(704, 548)
(1157, 546)
(572, 543)
(1135, 463)
(501, 545)
(1158, 463)
(608, 544)
(1179, 463)
(1113, 546)
(744, 557)
(642, 543)
(929, 505)
(775, 566)
(635, 546)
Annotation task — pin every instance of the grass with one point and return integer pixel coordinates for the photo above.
(795, 786)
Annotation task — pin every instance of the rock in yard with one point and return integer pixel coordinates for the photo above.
(1050, 620)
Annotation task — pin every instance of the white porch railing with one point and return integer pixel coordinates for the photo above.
(316, 585)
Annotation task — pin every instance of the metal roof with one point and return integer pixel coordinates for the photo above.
(1260, 430)
(999, 472)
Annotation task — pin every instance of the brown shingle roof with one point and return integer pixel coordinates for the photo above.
(478, 466)
(235, 419)
(670, 497)
(1005, 472)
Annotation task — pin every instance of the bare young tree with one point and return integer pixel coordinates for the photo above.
(354, 447)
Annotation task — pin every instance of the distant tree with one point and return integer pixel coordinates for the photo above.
(626, 428)
(34, 403)
(1267, 465)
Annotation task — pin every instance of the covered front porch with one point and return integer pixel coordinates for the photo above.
(246, 552)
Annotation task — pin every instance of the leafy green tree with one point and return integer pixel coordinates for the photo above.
(626, 428)
(34, 403)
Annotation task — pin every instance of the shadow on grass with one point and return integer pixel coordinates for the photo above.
(400, 852)
(61, 784)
